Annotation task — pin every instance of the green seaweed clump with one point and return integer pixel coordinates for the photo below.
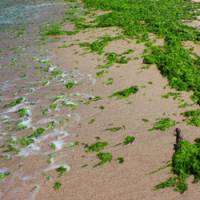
(70, 84)
(163, 124)
(23, 112)
(126, 92)
(98, 45)
(129, 140)
(193, 117)
(171, 182)
(52, 29)
(51, 125)
(115, 129)
(38, 132)
(104, 157)
(14, 102)
(112, 58)
(11, 145)
(57, 185)
(27, 140)
(96, 147)
(109, 81)
(185, 163)
(62, 169)
(76, 15)
(57, 74)
(101, 73)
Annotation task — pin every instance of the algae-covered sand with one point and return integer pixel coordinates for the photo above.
(91, 92)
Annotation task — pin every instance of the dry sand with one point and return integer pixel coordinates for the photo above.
(131, 180)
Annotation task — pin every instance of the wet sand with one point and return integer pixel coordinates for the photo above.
(26, 71)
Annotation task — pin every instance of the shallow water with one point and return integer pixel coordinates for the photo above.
(14, 13)
(29, 74)
(28, 15)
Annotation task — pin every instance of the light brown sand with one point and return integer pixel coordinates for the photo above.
(151, 150)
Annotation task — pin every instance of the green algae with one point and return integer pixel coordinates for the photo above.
(15, 102)
(185, 163)
(51, 157)
(76, 14)
(113, 57)
(171, 182)
(52, 29)
(11, 145)
(176, 96)
(61, 170)
(163, 124)
(54, 106)
(115, 129)
(23, 112)
(27, 140)
(126, 92)
(98, 45)
(14, 144)
(70, 84)
(104, 157)
(51, 125)
(101, 73)
(58, 98)
(129, 140)
(192, 117)
(57, 74)
(109, 81)
(57, 185)
(165, 19)
(96, 147)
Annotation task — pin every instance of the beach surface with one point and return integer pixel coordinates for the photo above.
(57, 83)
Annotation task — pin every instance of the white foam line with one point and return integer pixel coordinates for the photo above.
(15, 108)
(60, 134)
(34, 149)
(31, 149)
(84, 95)
(2, 98)
(46, 120)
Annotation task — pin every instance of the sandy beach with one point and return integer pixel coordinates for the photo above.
(40, 71)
